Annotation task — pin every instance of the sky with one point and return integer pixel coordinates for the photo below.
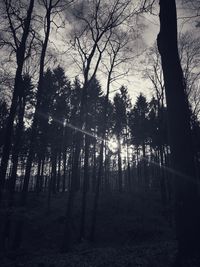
(134, 80)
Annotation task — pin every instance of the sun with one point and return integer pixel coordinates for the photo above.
(113, 144)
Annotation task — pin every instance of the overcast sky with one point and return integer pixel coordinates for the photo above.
(59, 44)
(134, 80)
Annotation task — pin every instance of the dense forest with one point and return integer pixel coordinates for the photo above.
(99, 133)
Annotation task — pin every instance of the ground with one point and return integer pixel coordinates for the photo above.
(131, 231)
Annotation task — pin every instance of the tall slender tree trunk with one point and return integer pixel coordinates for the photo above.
(128, 163)
(54, 172)
(75, 184)
(12, 179)
(42, 174)
(64, 157)
(187, 210)
(37, 110)
(64, 170)
(168, 176)
(73, 187)
(120, 185)
(16, 150)
(94, 168)
(49, 192)
(17, 88)
(23, 200)
(59, 170)
(97, 191)
(144, 164)
(37, 187)
(100, 169)
(107, 171)
(85, 189)
(138, 167)
(163, 187)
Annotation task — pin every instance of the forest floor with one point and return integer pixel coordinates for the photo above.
(131, 231)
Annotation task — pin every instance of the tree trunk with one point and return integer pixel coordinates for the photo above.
(64, 170)
(138, 167)
(42, 175)
(85, 189)
(54, 173)
(163, 187)
(182, 154)
(73, 187)
(20, 54)
(59, 174)
(37, 110)
(23, 200)
(12, 179)
(144, 165)
(120, 185)
(100, 169)
(16, 150)
(94, 168)
(96, 198)
(37, 189)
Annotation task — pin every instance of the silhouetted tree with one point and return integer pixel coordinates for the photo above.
(121, 104)
(19, 33)
(51, 8)
(138, 123)
(186, 189)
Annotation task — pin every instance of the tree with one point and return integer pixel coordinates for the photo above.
(189, 51)
(138, 123)
(121, 105)
(153, 72)
(94, 108)
(3, 117)
(59, 113)
(26, 94)
(25, 97)
(117, 52)
(186, 189)
(90, 41)
(19, 34)
(44, 133)
(191, 14)
(52, 8)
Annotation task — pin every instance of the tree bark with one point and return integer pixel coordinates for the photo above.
(163, 188)
(96, 197)
(94, 168)
(182, 154)
(85, 189)
(31, 153)
(20, 54)
(64, 170)
(37, 109)
(120, 184)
